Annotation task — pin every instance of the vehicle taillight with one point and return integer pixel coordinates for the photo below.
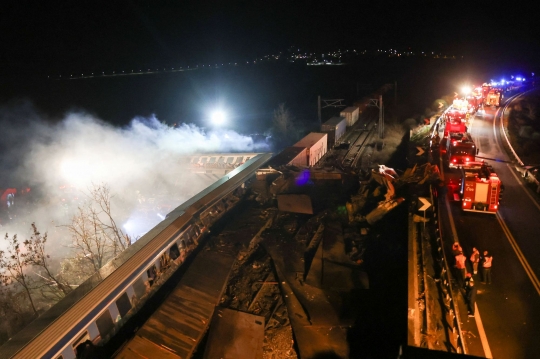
(467, 159)
(454, 160)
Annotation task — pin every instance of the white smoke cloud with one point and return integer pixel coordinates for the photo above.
(141, 160)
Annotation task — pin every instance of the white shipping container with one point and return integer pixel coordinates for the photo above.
(316, 145)
(289, 156)
(335, 127)
(351, 114)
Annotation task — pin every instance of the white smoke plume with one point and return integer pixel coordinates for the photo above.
(138, 162)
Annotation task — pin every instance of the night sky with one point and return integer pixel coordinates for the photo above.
(48, 37)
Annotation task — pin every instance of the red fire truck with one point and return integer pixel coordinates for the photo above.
(460, 149)
(456, 121)
(475, 100)
(485, 90)
(494, 97)
(480, 189)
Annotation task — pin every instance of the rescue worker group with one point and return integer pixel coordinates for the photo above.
(477, 260)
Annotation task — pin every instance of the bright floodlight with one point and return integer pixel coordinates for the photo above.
(466, 90)
(218, 117)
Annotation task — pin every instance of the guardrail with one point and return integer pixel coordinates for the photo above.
(445, 287)
(503, 129)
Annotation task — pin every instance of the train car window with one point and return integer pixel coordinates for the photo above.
(221, 160)
(139, 287)
(84, 337)
(203, 160)
(230, 159)
(195, 160)
(123, 304)
(105, 323)
(212, 160)
(239, 159)
(152, 274)
(174, 252)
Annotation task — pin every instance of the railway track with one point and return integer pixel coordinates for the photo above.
(358, 146)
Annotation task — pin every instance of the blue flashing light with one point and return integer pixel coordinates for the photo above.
(518, 78)
(303, 178)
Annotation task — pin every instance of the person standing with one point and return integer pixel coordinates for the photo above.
(468, 278)
(460, 265)
(470, 294)
(456, 248)
(486, 267)
(475, 259)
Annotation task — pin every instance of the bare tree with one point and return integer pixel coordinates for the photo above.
(36, 256)
(13, 266)
(14, 311)
(283, 121)
(96, 238)
(101, 196)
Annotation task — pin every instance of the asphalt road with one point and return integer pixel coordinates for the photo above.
(509, 307)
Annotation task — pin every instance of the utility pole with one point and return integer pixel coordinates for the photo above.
(381, 118)
(328, 103)
(395, 94)
(379, 104)
(319, 108)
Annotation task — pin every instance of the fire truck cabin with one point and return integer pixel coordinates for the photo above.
(460, 150)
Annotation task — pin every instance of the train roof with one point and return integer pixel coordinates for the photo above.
(311, 139)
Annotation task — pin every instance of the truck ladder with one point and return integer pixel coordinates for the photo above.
(493, 197)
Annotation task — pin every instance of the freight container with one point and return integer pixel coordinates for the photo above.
(295, 156)
(335, 128)
(316, 145)
(351, 114)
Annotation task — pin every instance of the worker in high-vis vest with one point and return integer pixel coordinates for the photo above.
(486, 267)
(460, 265)
(475, 259)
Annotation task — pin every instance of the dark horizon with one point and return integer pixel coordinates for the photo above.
(41, 39)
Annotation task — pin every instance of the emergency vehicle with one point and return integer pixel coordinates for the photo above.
(475, 100)
(480, 189)
(460, 149)
(456, 121)
(485, 90)
(494, 97)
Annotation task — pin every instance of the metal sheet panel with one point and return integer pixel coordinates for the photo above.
(235, 334)
(297, 203)
(481, 192)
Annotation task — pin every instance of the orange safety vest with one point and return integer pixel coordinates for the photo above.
(475, 257)
(460, 261)
(487, 262)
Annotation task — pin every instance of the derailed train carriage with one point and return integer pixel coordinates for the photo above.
(97, 309)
